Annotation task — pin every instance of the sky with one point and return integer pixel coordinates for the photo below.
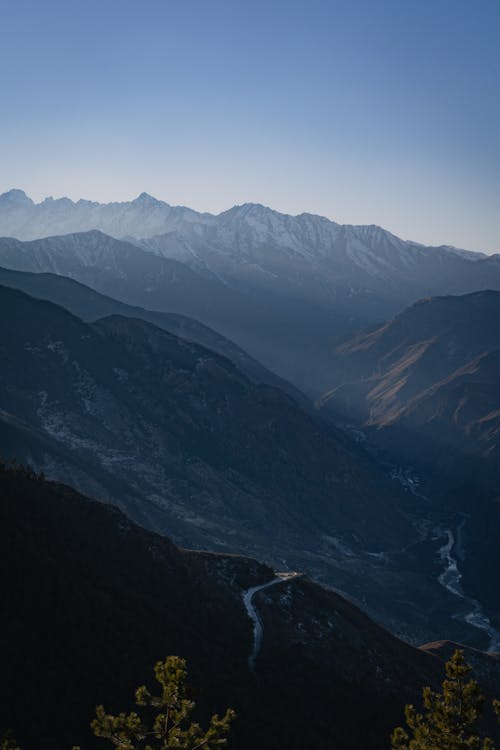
(366, 111)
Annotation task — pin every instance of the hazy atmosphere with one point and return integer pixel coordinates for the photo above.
(250, 374)
(364, 112)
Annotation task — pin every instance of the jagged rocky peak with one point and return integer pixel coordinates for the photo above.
(246, 209)
(145, 199)
(15, 196)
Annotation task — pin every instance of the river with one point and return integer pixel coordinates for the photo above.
(450, 578)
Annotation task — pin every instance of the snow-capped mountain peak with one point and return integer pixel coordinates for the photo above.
(248, 242)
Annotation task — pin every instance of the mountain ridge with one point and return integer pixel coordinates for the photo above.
(424, 389)
(120, 597)
(18, 196)
(271, 326)
(89, 305)
(188, 445)
(285, 288)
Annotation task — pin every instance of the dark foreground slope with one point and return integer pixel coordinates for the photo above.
(90, 601)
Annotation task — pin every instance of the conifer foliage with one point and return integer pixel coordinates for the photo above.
(450, 720)
(7, 742)
(170, 726)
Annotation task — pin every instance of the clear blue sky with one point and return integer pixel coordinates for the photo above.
(366, 111)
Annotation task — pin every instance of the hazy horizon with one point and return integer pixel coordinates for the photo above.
(37, 200)
(365, 113)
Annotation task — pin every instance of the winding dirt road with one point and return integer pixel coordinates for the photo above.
(258, 631)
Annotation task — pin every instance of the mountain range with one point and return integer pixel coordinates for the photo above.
(321, 397)
(285, 288)
(291, 318)
(189, 446)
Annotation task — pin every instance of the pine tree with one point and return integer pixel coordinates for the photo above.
(7, 742)
(170, 728)
(450, 719)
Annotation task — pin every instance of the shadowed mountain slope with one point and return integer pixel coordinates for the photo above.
(91, 601)
(89, 305)
(206, 448)
(272, 326)
(425, 387)
(432, 371)
(186, 444)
